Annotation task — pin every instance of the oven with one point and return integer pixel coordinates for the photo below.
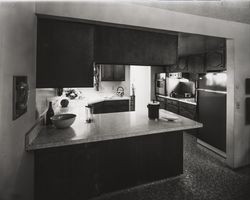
(160, 84)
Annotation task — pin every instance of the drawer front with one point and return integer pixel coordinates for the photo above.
(187, 106)
(172, 102)
(187, 113)
(172, 108)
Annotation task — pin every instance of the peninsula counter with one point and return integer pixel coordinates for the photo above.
(116, 151)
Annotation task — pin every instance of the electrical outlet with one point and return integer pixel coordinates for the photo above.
(238, 105)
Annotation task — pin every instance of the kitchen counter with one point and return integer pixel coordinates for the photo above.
(107, 98)
(109, 127)
(185, 100)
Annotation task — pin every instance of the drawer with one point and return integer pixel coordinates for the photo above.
(172, 102)
(187, 114)
(172, 108)
(187, 106)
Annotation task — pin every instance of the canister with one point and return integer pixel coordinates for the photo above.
(153, 110)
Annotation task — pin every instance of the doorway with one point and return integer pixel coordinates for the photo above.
(140, 78)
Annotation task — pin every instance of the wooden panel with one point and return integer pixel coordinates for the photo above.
(247, 86)
(107, 72)
(65, 52)
(196, 63)
(88, 170)
(119, 73)
(247, 110)
(215, 61)
(182, 64)
(214, 43)
(111, 106)
(128, 46)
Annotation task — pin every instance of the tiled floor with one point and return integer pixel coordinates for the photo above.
(206, 177)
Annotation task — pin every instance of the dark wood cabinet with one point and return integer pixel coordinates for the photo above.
(214, 44)
(128, 46)
(65, 54)
(88, 170)
(112, 72)
(162, 102)
(187, 110)
(111, 106)
(172, 105)
(215, 61)
(196, 63)
(182, 64)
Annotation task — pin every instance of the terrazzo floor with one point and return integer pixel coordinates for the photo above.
(205, 177)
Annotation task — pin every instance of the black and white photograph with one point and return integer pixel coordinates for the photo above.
(125, 100)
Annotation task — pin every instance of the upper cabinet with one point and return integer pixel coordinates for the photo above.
(202, 53)
(215, 54)
(181, 65)
(215, 61)
(129, 46)
(65, 54)
(190, 44)
(196, 63)
(112, 72)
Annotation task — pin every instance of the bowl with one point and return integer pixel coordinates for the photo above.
(63, 120)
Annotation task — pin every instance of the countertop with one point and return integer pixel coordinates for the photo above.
(108, 127)
(185, 100)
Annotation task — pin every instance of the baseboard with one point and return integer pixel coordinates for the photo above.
(208, 146)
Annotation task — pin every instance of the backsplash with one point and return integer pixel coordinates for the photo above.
(180, 86)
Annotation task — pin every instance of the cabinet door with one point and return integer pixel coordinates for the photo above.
(119, 73)
(107, 72)
(182, 64)
(68, 62)
(128, 46)
(45, 71)
(215, 61)
(214, 43)
(173, 68)
(196, 63)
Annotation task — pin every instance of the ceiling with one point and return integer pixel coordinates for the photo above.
(238, 11)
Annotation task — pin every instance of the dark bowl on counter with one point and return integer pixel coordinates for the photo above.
(63, 120)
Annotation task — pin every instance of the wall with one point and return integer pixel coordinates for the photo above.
(140, 78)
(41, 99)
(238, 69)
(17, 51)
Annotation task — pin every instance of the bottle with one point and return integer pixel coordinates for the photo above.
(49, 114)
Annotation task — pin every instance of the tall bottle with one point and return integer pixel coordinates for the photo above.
(49, 114)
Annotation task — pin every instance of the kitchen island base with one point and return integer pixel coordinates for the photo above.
(91, 169)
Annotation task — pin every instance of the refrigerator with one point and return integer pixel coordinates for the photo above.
(211, 102)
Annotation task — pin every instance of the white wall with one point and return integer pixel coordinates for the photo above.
(140, 77)
(17, 57)
(122, 13)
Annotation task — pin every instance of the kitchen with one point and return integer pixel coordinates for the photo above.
(51, 10)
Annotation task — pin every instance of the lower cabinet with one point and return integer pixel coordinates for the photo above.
(162, 102)
(111, 106)
(87, 170)
(187, 110)
(172, 105)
